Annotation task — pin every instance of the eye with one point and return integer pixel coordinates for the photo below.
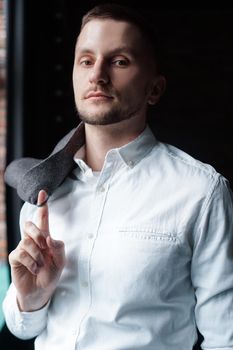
(85, 62)
(120, 62)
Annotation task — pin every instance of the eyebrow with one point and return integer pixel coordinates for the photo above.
(118, 50)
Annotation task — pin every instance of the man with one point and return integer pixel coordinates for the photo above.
(134, 248)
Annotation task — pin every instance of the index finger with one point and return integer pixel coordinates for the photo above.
(42, 221)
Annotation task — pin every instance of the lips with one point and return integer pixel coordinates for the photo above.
(97, 94)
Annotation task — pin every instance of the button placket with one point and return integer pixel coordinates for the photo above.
(97, 209)
(101, 188)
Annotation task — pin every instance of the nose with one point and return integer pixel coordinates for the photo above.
(99, 73)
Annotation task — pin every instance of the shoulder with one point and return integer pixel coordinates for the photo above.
(181, 162)
(185, 160)
(181, 172)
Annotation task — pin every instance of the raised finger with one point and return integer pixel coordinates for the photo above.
(42, 221)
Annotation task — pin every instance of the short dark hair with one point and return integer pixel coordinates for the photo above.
(124, 13)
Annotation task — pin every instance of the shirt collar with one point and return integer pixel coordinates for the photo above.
(130, 153)
(137, 149)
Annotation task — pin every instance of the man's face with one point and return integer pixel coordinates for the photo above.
(112, 74)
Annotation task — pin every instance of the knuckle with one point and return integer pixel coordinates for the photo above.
(14, 253)
(27, 241)
(11, 256)
(22, 254)
(24, 243)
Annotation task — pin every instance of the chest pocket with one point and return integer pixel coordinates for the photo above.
(148, 234)
(139, 261)
(146, 238)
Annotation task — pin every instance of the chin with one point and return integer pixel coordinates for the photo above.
(104, 116)
(99, 121)
(96, 116)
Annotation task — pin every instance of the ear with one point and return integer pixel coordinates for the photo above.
(158, 88)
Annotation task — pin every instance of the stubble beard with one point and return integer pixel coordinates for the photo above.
(115, 115)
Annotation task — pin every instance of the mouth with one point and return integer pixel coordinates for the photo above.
(98, 96)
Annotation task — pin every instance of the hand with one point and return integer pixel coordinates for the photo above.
(37, 261)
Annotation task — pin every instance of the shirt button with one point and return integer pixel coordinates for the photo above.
(101, 189)
(90, 236)
(130, 163)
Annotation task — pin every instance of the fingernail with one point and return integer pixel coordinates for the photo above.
(42, 198)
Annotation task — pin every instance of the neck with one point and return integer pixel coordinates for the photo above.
(102, 138)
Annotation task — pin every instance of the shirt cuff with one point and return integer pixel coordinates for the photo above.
(30, 319)
(24, 325)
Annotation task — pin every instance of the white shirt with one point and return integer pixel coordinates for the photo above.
(149, 247)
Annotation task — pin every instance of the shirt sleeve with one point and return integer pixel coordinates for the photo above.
(24, 325)
(212, 268)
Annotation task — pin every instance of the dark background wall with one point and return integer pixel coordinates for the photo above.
(195, 114)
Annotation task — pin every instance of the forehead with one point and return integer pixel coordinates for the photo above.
(109, 34)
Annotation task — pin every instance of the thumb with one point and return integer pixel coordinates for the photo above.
(43, 212)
